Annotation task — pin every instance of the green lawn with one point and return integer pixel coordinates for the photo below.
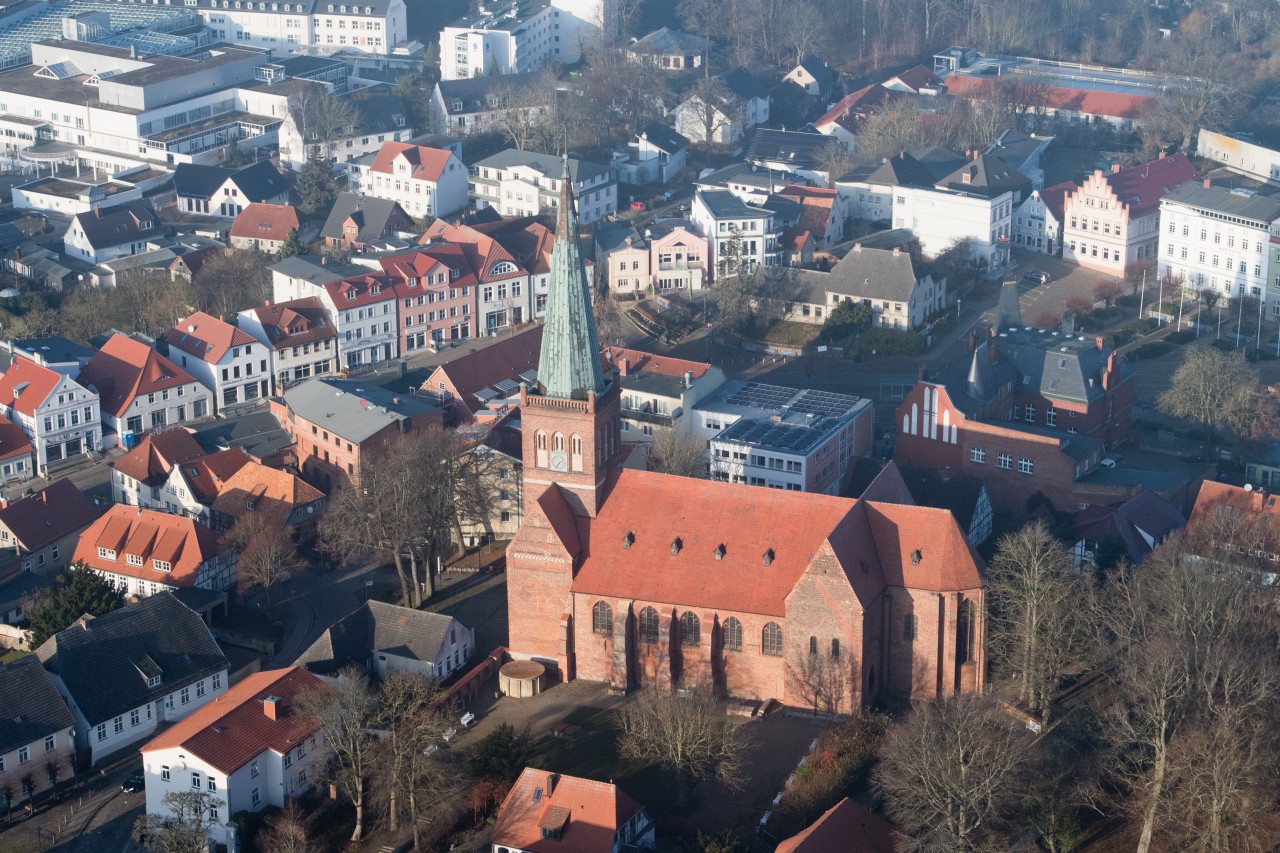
(11, 655)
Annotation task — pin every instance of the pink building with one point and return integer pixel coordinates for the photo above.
(677, 256)
(435, 288)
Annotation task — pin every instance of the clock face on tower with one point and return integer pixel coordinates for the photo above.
(559, 460)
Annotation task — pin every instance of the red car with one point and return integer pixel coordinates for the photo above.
(638, 205)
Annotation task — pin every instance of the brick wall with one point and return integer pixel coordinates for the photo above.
(539, 577)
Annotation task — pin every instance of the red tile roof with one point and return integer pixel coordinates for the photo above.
(1142, 187)
(858, 105)
(1215, 497)
(151, 460)
(918, 77)
(42, 518)
(356, 291)
(207, 475)
(482, 251)
(261, 221)
(296, 322)
(13, 441)
(641, 360)
(268, 492)
(192, 262)
(26, 385)
(846, 826)
(206, 337)
(183, 543)
(922, 547)
(426, 164)
(1083, 101)
(234, 728)
(1055, 197)
(794, 238)
(125, 368)
(481, 368)
(588, 813)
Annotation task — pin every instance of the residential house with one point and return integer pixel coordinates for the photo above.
(798, 155)
(43, 528)
(380, 116)
(823, 213)
(145, 551)
(1217, 237)
(126, 672)
(1128, 530)
(384, 638)
(655, 156)
(659, 392)
(258, 434)
(1244, 520)
(336, 422)
(1239, 155)
(17, 458)
(251, 748)
(56, 353)
(849, 826)
(36, 732)
(797, 246)
(359, 304)
(280, 498)
(474, 105)
(144, 476)
(355, 222)
(815, 77)
(1122, 111)
(526, 183)
(20, 592)
(622, 255)
(1113, 220)
(264, 227)
(140, 390)
(739, 236)
(782, 438)
(677, 256)
(669, 49)
(1023, 152)
(299, 338)
(575, 813)
(902, 291)
(1037, 222)
(226, 192)
(513, 36)
(227, 360)
(743, 105)
(483, 386)
(111, 232)
(1263, 469)
(842, 120)
(497, 479)
(425, 182)
(914, 81)
(59, 416)
(436, 287)
(872, 191)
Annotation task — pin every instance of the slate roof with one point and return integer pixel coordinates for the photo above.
(746, 175)
(125, 368)
(612, 236)
(111, 226)
(33, 708)
(507, 359)
(257, 182)
(377, 627)
(723, 204)
(985, 175)
(545, 164)
(183, 543)
(662, 137)
(957, 493)
(234, 728)
(207, 338)
(351, 409)
(258, 433)
(847, 826)
(152, 458)
(377, 113)
(668, 42)
(743, 83)
(309, 268)
(903, 170)
(797, 150)
(1262, 206)
(26, 385)
(881, 274)
(376, 218)
(1144, 513)
(473, 92)
(261, 221)
(42, 518)
(588, 813)
(99, 659)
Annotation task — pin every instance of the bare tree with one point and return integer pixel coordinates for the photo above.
(714, 108)
(1107, 290)
(521, 110)
(1212, 387)
(804, 29)
(323, 119)
(822, 677)
(233, 282)
(288, 832)
(703, 18)
(682, 455)
(407, 764)
(268, 554)
(184, 825)
(345, 713)
(949, 773)
(690, 736)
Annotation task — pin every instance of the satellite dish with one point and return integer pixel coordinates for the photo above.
(1248, 487)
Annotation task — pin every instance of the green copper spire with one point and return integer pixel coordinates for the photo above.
(569, 364)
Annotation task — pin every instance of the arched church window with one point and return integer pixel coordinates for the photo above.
(602, 618)
(649, 625)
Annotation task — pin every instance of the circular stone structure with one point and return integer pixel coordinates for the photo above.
(522, 678)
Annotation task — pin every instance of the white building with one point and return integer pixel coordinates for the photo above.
(1219, 238)
(525, 183)
(515, 36)
(1238, 155)
(743, 105)
(1037, 222)
(228, 361)
(659, 392)
(360, 305)
(59, 416)
(301, 341)
(125, 673)
(656, 155)
(426, 182)
(739, 235)
(103, 234)
(254, 750)
(901, 291)
(381, 116)
(140, 390)
(384, 638)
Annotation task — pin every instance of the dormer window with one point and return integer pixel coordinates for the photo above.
(351, 296)
(377, 288)
(161, 565)
(133, 559)
(719, 552)
(915, 557)
(106, 553)
(767, 557)
(676, 545)
(628, 540)
(153, 681)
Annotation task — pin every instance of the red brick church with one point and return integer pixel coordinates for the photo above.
(634, 578)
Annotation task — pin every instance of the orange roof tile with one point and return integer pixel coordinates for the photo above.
(846, 826)
(918, 77)
(481, 368)
(234, 728)
(42, 518)
(666, 365)
(269, 492)
(26, 385)
(858, 105)
(151, 535)
(356, 291)
(1215, 497)
(13, 441)
(794, 238)
(426, 164)
(588, 813)
(205, 476)
(1086, 102)
(922, 547)
(206, 337)
(261, 221)
(296, 322)
(151, 460)
(124, 368)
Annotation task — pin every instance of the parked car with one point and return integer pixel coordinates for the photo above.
(134, 783)
(1036, 277)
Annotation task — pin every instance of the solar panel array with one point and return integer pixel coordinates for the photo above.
(824, 403)
(759, 396)
(16, 40)
(796, 439)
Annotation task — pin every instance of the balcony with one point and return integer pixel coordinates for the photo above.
(656, 418)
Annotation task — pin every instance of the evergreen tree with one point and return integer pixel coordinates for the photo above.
(291, 245)
(77, 591)
(315, 187)
(845, 318)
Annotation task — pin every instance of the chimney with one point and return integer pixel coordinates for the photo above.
(920, 374)
(324, 260)
(624, 367)
(266, 303)
(688, 379)
(4, 504)
(897, 250)
(551, 784)
(991, 351)
(1208, 183)
(857, 247)
(1161, 155)
(1115, 167)
(44, 496)
(97, 213)
(973, 339)
(271, 707)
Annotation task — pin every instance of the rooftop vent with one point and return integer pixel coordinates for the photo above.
(767, 557)
(719, 552)
(915, 557)
(628, 540)
(676, 545)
